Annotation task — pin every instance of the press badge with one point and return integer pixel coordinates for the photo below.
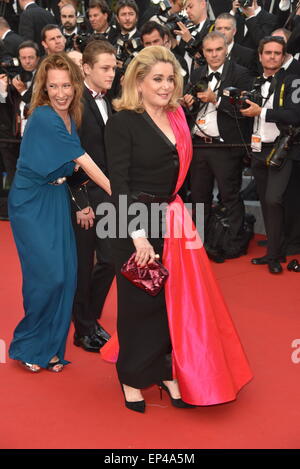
(256, 142)
(201, 121)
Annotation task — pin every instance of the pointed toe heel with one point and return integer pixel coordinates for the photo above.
(179, 403)
(136, 406)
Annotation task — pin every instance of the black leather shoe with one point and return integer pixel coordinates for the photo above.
(294, 266)
(101, 333)
(264, 260)
(90, 343)
(274, 266)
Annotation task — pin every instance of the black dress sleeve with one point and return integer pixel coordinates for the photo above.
(119, 144)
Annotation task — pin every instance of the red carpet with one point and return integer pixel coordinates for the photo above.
(83, 407)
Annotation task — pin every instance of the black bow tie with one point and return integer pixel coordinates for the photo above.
(214, 74)
(264, 80)
(95, 95)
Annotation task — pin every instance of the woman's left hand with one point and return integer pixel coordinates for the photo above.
(85, 218)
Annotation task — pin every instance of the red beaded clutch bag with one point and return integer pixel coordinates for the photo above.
(150, 278)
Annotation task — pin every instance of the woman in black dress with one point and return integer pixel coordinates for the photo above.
(148, 154)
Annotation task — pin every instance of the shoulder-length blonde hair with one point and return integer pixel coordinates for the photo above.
(40, 95)
(138, 69)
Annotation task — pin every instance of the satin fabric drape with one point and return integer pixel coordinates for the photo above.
(208, 359)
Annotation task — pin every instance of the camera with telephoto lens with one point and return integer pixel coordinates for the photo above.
(128, 47)
(10, 66)
(283, 143)
(164, 5)
(245, 3)
(238, 98)
(198, 87)
(173, 20)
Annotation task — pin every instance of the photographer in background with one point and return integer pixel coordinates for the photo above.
(127, 15)
(216, 126)
(226, 24)
(99, 15)
(53, 40)
(161, 11)
(155, 34)
(193, 34)
(253, 23)
(9, 130)
(68, 18)
(11, 40)
(272, 170)
(28, 54)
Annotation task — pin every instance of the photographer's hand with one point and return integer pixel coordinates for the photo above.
(18, 84)
(235, 6)
(184, 32)
(252, 111)
(188, 100)
(207, 96)
(3, 83)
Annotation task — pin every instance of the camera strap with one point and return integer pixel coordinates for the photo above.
(265, 98)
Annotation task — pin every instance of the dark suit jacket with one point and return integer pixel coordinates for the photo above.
(289, 112)
(220, 6)
(236, 76)
(32, 21)
(259, 26)
(245, 57)
(91, 132)
(293, 44)
(11, 43)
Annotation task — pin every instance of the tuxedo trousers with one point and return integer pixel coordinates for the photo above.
(93, 279)
(272, 183)
(225, 166)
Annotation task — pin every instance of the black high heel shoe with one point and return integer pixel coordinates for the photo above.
(137, 406)
(179, 403)
(294, 266)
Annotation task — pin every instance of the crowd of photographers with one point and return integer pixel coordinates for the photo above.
(240, 64)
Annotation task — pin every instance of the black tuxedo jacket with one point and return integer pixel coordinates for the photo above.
(32, 21)
(289, 112)
(11, 43)
(245, 57)
(91, 132)
(259, 26)
(293, 44)
(236, 76)
(220, 6)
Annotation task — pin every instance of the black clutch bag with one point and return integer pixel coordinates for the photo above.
(150, 278)
(78, 178)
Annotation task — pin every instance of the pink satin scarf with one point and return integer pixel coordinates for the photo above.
(208, 358)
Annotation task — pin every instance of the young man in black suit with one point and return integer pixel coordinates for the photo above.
(32, 20)
(226, 24)
(11, 40)
(279, 110)
(94, 281)
(217, 124)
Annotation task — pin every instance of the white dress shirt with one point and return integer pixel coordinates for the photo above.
(267, 130)
(207, 116)
(101, 104)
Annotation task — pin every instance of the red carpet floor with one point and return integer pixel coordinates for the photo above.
(83, 407)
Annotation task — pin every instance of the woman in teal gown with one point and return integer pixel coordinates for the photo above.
(39, 211)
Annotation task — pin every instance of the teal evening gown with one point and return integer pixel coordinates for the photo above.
(40, 218)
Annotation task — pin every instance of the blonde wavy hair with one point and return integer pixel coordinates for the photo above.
(138, 69)
(40, 96)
